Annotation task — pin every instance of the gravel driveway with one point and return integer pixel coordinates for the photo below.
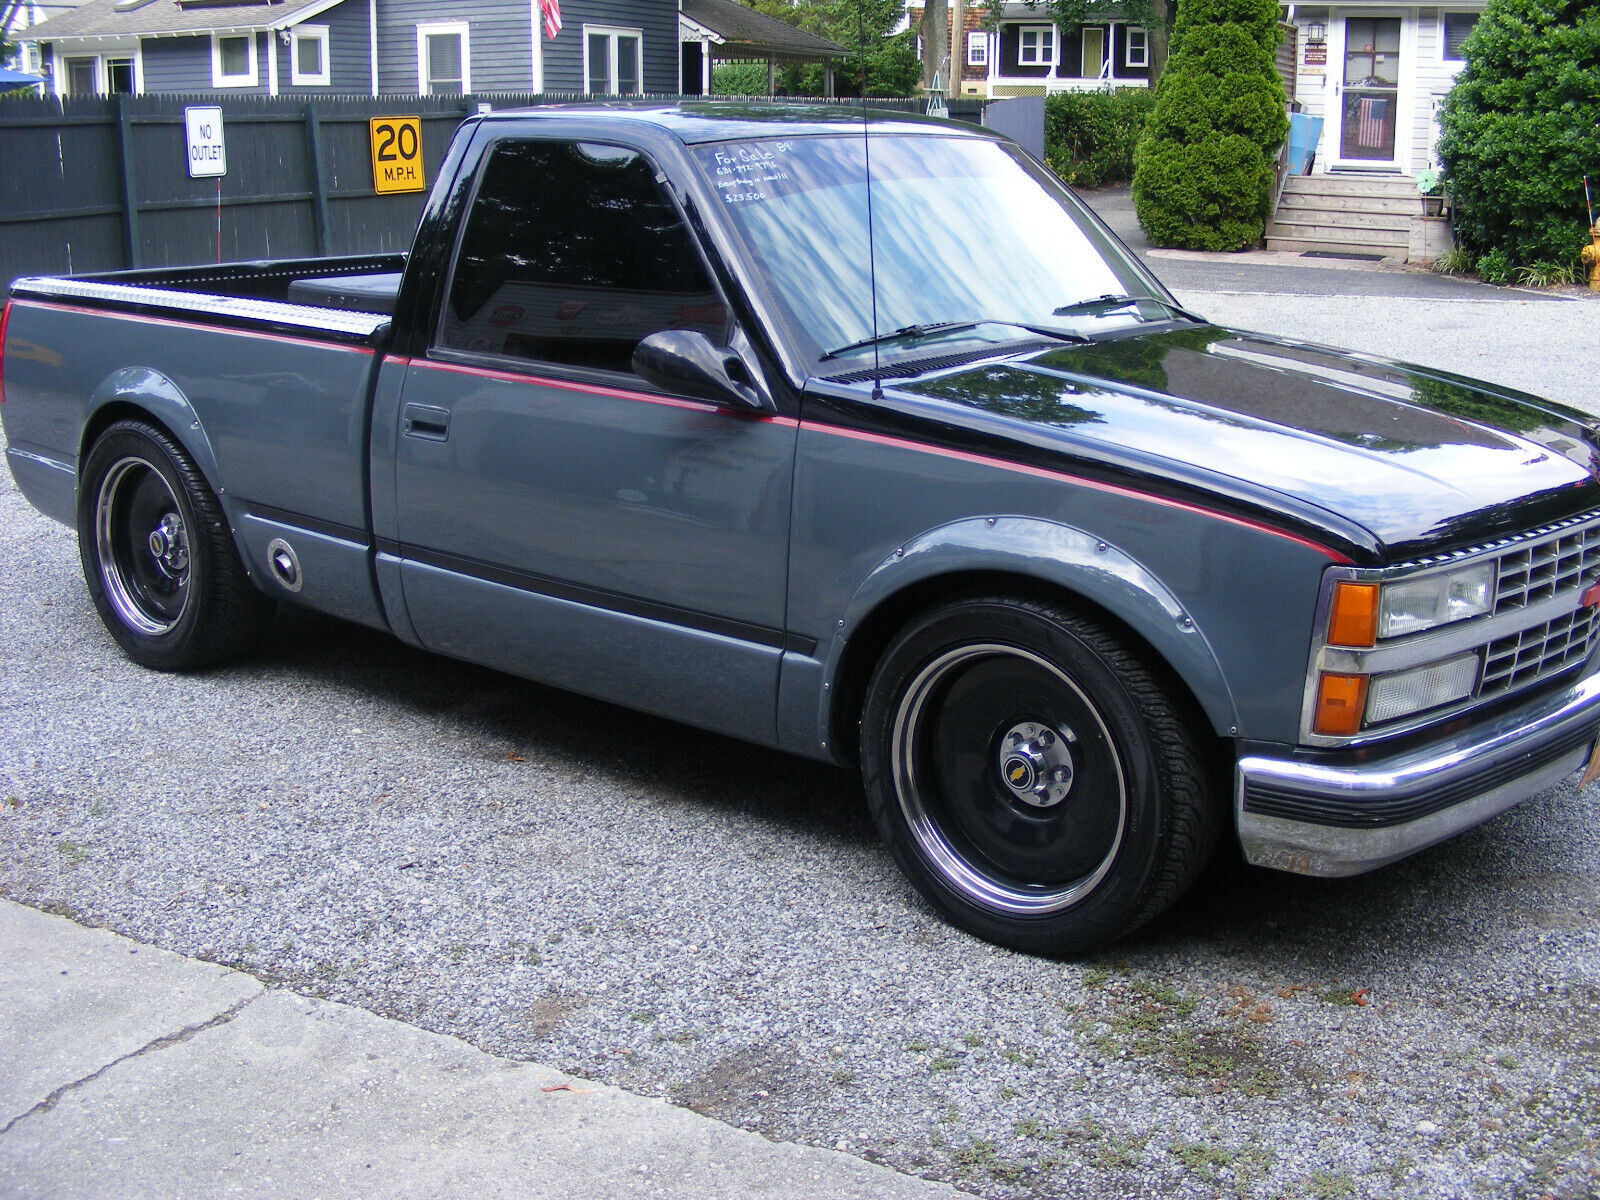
(690, 917)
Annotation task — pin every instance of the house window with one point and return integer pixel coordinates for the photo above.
(977, 49)
(119, 76)
(83, 76)
(1036, 45)
(444, 59)
(613, 61)
(308, 57)
(233, 60)
(1138, 48)
(99, 74)
(1456, 27)
(571, 254)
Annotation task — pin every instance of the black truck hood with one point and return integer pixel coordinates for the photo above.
(1420, 459)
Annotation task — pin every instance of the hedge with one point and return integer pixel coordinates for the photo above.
(1089, 136)
(1520, 129)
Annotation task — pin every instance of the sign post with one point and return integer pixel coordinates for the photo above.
(397, 154)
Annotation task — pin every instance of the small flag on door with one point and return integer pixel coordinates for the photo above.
(552, 17)
(1371, 118)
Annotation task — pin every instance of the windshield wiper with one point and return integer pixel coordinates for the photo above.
(914, 332)
(905, 333)
(1112, 301)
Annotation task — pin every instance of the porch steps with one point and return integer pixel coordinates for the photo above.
(1345, 214)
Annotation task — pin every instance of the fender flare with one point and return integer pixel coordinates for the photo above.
(1059, 556)
(164, 402)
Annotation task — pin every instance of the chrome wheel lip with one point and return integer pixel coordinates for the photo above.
(974, 884)
(120, 590)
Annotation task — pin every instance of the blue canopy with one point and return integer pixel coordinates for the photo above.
(14, 79)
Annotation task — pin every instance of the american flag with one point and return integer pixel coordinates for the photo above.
(1370, 118)
(552, 17)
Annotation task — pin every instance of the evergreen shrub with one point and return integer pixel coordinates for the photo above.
(1519, 131)
(1203, 169)
(1089, 136)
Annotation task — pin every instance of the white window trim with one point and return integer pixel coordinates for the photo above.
(309, 33)
(612, 33)
(102, 74)
(251, 78)
(977, 48)
(1047, 51)
(1144, 47)
(426, 31)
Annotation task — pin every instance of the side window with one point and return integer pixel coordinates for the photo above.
(571, 254)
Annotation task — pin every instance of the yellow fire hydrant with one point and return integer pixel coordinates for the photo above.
(1591, 257)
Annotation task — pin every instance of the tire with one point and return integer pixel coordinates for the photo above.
(158, 556)
(1032, 775)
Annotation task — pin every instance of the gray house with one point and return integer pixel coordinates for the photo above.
(307, 47)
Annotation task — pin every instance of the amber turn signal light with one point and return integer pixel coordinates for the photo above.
(1341, 703)
(1354, 620)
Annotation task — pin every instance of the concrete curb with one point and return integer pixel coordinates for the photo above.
(127, 1070)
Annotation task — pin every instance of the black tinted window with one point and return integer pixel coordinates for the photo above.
(572, 253)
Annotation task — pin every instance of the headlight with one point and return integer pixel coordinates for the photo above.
(1432, 600)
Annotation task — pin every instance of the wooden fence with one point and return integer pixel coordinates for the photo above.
(102, 183)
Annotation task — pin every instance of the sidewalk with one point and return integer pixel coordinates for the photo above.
(130, 1071)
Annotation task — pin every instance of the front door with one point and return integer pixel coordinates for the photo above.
(559, 516)
(1094, 51)
(1369, 100)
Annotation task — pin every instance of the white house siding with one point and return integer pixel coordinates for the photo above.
(1425, 77)
(1435, 77)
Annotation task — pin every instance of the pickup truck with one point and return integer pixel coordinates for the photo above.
(868, 441)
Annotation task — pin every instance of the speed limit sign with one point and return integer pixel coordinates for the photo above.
(397, 154)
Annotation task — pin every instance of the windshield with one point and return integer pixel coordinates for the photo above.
(964, 238)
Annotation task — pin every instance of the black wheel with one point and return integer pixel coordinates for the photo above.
(1032, 776)
(157, 554)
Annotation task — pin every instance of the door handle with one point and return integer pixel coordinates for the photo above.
(427, 421)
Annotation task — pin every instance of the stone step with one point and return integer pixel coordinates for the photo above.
(1397, 205)
(1346, 218)
(1345, 235)
(1350, 185)
(1301, 245)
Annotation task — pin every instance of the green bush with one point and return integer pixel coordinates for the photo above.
(1089, 136)
(739, 79)
(1518, 132)
(1203, 169)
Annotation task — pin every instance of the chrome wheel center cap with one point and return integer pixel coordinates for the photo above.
(1035, 764)
(167, 546)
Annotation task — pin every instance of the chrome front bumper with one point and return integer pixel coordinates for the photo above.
(1315, 818)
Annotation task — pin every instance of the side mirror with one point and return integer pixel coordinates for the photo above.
(688, 363)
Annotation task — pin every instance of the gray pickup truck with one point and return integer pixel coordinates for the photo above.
(653, 410)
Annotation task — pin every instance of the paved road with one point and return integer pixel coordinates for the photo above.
(666, 911)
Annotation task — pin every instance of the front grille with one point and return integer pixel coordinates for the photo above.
(1531, 654)
(1538, 570)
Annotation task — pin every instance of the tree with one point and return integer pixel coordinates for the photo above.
(887, 67)
(1203, 169)
(1519, 131)
(934, 29)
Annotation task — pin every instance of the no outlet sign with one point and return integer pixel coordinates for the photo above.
(208, 154)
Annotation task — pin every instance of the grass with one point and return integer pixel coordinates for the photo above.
(72, 852)
(1326, 1185)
